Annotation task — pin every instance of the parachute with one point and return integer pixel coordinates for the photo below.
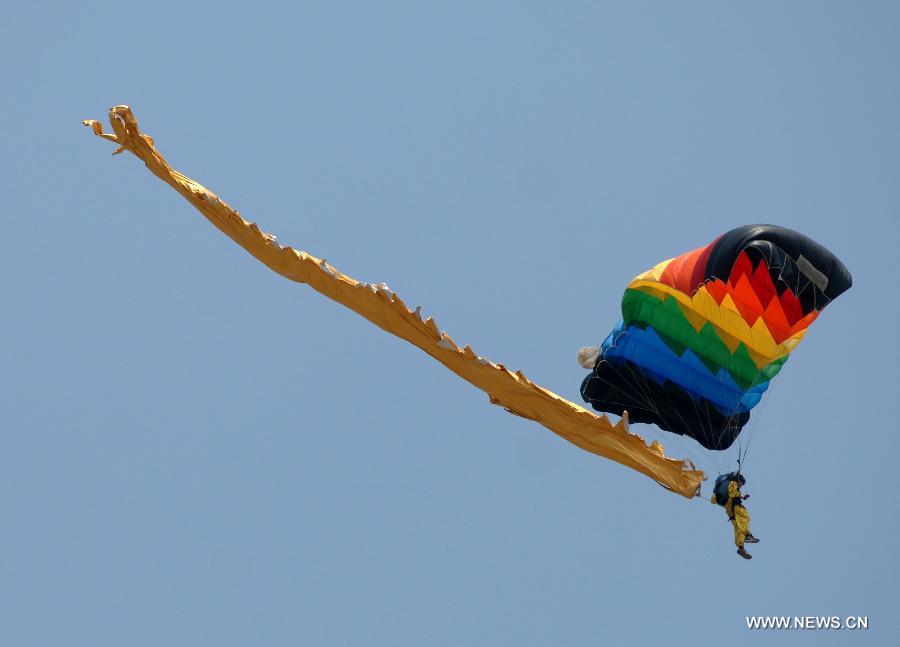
(702, 335)
(513, 390)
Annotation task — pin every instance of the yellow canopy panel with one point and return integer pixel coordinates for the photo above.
(513, 391)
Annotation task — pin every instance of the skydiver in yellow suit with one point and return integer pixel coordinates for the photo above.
(738, 515)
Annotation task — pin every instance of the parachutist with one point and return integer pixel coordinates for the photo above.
(727, 493)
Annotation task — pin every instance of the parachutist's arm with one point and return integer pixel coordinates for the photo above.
(734, 493)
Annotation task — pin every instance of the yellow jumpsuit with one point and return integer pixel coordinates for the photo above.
(737, 513)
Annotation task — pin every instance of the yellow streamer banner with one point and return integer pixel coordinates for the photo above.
(511, 390)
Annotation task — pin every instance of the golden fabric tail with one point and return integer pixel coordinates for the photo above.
(513, 391)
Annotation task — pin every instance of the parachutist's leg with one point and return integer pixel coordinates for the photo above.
(741, 525)
(749, 538)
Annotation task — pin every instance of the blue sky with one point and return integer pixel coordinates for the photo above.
(197, 451)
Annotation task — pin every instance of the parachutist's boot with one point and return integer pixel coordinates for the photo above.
(750, 539)
(743, 553)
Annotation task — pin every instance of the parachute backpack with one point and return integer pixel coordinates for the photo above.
(720, 489)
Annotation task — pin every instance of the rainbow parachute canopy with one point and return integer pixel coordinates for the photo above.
(703, 334)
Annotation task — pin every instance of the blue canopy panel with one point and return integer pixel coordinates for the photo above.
(643, 347)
